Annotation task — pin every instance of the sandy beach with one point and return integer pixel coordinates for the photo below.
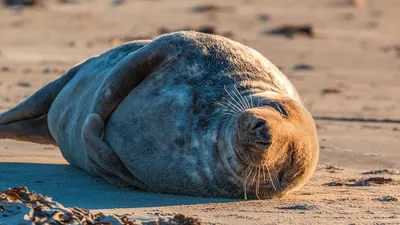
(346, 69)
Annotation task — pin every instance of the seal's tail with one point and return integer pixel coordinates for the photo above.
(28, 120)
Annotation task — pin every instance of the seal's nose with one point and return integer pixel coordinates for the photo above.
(258, 134)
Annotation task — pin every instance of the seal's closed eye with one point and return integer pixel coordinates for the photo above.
(279, 108)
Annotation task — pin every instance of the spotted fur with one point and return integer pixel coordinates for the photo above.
(186, 127)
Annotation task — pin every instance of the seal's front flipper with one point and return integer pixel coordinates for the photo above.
(33, 130)
(103, 159)
(129, 73)
(103, 153)
(121, 80)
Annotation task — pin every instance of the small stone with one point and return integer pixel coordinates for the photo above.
(298, 207)
(20, 2)
(331, 167)
(334, 184)
(291, 31)
(5, 69)
(71, 44)
(46, 70)
(384, 171)
(326, 91)
(263, 17)
(205, 8)
(387, 199)
(208, 8)
(117, 2)
(23, 84)
(373, 181)
(303, 66)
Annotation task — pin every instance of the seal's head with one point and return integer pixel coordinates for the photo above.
(276, 145)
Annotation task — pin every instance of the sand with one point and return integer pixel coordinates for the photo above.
(347, 69)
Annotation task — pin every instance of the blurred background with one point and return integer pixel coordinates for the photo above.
(343, 56)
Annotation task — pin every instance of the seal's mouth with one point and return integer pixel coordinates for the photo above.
(262, 183)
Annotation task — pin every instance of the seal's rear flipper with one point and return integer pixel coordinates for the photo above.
(33, 130)
(39, 103)
(28, 120)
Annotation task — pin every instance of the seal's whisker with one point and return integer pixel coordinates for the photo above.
(245, 190)
(304, 100)
(240, 106)
(258, 185)
(246, 179)
(232, 111)
(225, 108)
(263, 172)
(239, 97)
(232, 105)
(248, 168)
(245, 102)
(251, 100)
(323, 155)
(270, 177)
(240, 101)
(254, 177)
(277, 180)
(247, 99)
(228, 107)
(227, 112)
(230, 114)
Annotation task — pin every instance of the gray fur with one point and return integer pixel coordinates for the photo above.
(167, 133)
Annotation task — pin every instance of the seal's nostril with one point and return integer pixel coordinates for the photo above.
(259, 135)
(263, 137)
(258, 125)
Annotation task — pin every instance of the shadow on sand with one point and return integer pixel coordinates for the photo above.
(73, 187)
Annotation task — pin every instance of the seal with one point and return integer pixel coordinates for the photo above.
(186, 113)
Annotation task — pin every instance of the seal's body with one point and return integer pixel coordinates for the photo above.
(186, 113)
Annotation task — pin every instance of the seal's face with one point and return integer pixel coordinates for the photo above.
(277, 147)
